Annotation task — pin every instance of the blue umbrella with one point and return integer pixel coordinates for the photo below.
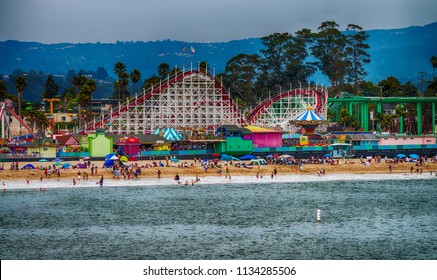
(414, 156)
(58, 160)
(174, 159)
(248, 157)
(401, 156)
(43, 160)
(328, 155)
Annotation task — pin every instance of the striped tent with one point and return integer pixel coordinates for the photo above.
(308, 115)
(171, 134)
(157, 131)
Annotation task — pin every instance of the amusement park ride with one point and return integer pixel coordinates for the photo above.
(6, 112)
(198, 100)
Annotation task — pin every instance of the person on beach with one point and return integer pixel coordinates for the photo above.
(159, 174)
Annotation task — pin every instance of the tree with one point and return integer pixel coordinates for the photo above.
(433, 61)
(390, 87)
(78, 81)
(120, 70)
(203, 66)
(3, 90)
(153, 80)
(123, 83)
(50, 88)
(20, 85)
(135, 77)
(36, 119)
(357, 54)
(329, 50)
(240, 75)
(84, 97)
(163, 70)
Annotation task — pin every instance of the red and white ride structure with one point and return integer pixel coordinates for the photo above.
(195, 100)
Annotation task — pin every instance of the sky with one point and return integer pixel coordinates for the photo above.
(82, 21)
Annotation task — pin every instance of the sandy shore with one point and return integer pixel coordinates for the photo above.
(351, 167)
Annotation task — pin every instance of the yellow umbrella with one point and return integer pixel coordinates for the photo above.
(124, 159)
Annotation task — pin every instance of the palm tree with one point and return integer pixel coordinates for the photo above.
(20, 85)
(36, 119)
(163, 70)
(85, 96)
(123, 83)
(135, 77)
(119, 69)
(78, 81)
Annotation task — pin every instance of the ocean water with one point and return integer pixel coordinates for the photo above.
(362, 217)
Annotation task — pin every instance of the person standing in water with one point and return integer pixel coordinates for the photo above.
(101, 181)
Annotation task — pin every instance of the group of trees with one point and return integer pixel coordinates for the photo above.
(289, 60)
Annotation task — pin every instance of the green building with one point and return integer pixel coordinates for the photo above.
(238, 140)
(99, 144)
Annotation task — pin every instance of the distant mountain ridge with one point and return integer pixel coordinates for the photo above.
(398, 52)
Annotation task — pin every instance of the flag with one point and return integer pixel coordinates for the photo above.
(192, 50)
(184, 49)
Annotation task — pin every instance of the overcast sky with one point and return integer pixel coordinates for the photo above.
(55, 21)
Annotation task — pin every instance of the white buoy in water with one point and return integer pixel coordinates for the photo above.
(318, 216)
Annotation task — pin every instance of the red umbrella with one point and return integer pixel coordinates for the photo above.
(216, 155)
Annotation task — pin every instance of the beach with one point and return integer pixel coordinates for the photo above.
(189, 173)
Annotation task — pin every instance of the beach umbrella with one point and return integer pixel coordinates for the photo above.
(248, 157)
(215, 155)
(414, 156)
(58, 160)
(174, 159)
(66, 165)
(269, 156)
(327, 155)
(86, 158)
(29, 166)
(286, 156)
(43, 160)
(114, 157)
(401, 156)
(236, 159)
(123, 159)
(58, 163)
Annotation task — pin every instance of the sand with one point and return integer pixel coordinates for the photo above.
(349, 167)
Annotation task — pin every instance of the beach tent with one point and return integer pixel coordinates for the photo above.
(28, 166)
(247, 157)
(108, 161)
(172, 135)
